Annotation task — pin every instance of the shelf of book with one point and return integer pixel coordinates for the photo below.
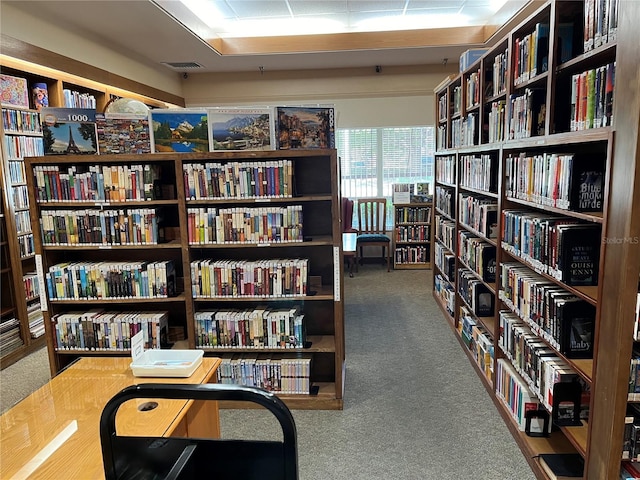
(545, 52)
(301, 275)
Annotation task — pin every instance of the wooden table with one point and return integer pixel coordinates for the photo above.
(54, 433)
(350, 249)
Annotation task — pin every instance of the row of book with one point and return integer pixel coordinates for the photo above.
(478, 255)
(445, 261)
(17, 172)
(245, 278)
(499, 73)
(565, 248)
(481, 214)
(441, 137)
(445, 199)
(446, 169)
(22, 121)
(114, 280)
(497, 121)
(634, 380)
(26, 245)
(99, 183)
(132, 226)
(270, 179)
(464, 131)
(413, 214)
(245, 225)
(31, 285)
(412, 254)
(562, 180)
(473, 89)
(413, 233)
(526, 114)
(99, 330)
(10, 338)
(600, 23)
(445, 292)
(478, 172)
(564, 321)
(457, 100)
(17, 147)
(477, 296)
(279, 375)
(478, 341)
(75, 99)
(443, 107)
(20, 196)
(537, 363)
(592, 98)
(256, 328)
(446, 232)
(631, 438)
(531, 54)
(23, 222)
(35, 319)
(514, 393)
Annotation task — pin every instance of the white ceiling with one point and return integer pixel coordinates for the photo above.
(167, 31)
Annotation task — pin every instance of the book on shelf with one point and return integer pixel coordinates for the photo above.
(592, 98)
(40, 95)
(76, 99)
(600, 23)
(559, 466)
(476, 294)
(578, 254)
(14, 91)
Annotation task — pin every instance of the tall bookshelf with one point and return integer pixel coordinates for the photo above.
(544, 99)
(412, 236)
(293, 238)
(25, 139)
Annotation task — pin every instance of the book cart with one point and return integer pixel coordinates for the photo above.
(548, 101)
(21, 136)
(273, 255)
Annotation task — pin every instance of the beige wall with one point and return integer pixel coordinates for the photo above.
(398, 96)
(37, 31)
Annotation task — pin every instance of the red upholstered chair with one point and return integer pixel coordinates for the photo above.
(372, 226)
(347, 216)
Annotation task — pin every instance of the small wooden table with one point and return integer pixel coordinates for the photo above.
(350, 250)
(55, 432)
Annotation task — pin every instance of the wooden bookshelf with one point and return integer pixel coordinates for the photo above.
(612, 143)
(314, 174)
(412, 236)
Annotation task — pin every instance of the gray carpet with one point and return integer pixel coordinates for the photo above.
(414, 407)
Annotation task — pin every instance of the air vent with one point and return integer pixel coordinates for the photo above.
(182, 65)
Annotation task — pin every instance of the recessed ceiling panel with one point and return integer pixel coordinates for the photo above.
(259, 9)
(318, 8)
(374, 6)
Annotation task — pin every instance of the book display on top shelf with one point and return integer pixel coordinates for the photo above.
(242, 128)
(120, 133)
(305, 127)
(179, 130)
(69, 131)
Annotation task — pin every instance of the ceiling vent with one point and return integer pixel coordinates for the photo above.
(181, 66)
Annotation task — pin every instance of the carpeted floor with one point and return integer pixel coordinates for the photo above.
(414, 407)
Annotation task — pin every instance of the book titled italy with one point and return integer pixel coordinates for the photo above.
(69, 131)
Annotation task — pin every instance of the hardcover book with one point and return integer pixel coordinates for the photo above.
(578, 253)
(576, 319)
(241, 128)
(13, 91)
(179, 130)
(562, 465)
(305, 127)
(68, 131)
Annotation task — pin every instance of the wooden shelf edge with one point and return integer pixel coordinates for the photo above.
(325, 400)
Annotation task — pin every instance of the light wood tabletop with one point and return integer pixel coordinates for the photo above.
(54, 433)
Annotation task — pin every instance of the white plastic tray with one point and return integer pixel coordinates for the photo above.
(167, 363)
